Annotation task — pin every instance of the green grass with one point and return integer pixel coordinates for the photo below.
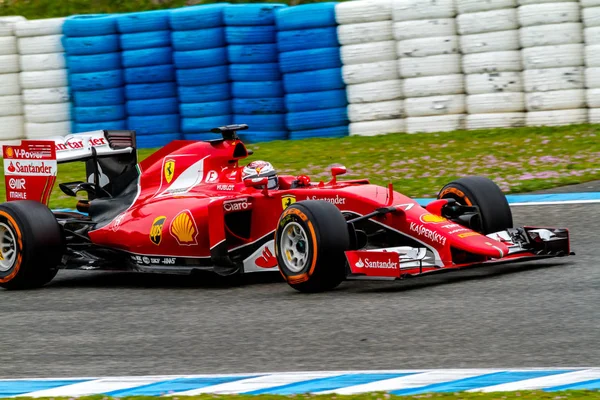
(517, 395)
(518, 160)
(33, 9)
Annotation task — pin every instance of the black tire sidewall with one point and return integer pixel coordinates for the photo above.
(22, 258)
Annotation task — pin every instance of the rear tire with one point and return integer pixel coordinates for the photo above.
(31, 245)
(484, 193)
(310, 242)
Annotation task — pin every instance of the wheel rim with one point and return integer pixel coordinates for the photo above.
(294, 247)
(8, 247)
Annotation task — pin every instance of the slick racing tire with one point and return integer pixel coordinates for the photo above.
(310, 242)
(31, 245)
(485, 194)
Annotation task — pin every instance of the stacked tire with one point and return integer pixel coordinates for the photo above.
(11, 105)
(490, 46)
(256, 84)
(591, 22)
(430, 63)
(200, 56)
(552, 49)
(44, 84)
(309, 58)
(147, 58)
(368, 52)
(95, 72)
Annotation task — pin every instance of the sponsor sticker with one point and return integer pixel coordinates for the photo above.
(226, 187)
(468, 234)
(117, 222)
(184, 229)
(145, 260)
(432, 219)
(266, 260)
(211, 176)
(31, 168)
(237, 205)
(156, 229)
(367, 263)
(337, 200)
(287, 200)
(427, 233)
(169, 170)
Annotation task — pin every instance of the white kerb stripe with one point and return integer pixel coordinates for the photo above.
(554, 203)
(543, 382)
(411, 381)
(97, 386)
(261, 382)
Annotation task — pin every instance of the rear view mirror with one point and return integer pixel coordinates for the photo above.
(256, 182)
(335, 171)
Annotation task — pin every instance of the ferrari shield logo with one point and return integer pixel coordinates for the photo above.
(287, 200)
(156, 230)
(169, 170)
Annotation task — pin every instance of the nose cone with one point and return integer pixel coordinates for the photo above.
(474, 242)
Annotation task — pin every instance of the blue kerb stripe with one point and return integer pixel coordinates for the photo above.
(585, 385)
(496, 378)
(328, 383)
(531, 198)
(175, 385)
(15, 388)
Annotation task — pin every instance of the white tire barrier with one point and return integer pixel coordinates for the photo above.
(549, 13)
(43, 62)
(435, 105)
(434, 86)
(373, 128)
(365, 33)
(368, 52)
(42, 113)
(46, 96)
(12, 127)
(566, 55)
(376, 111)
(35, 130)
(424, 47)
(594, 115)
(40, 44)
(499, 61)
(353, 12)
(494, 82)
(424, 28)
(593, 98)
(11, 105)
(371, 72)
(504, 120)
(442, 123)
(374, 91)
(11, 102)
(592, 77)
(44, 79)
(591, 16)
(552, 34)
(412, 67)
(487, 21)
(39, 27)
(489, 103)
(556, 100)
(490, 42)
(592, 35)
(472, 6)
(544, 80)
(409, 10)
(557, 118)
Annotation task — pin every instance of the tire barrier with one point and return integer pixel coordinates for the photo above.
(147, 59)
(365, 32)
(11, 102)
(489, 31)
(309, 58)
(96, 80)
(43, 78)
(257, 86)
(202, 77)
(591, 22)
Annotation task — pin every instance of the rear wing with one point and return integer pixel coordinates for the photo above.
(30, 167)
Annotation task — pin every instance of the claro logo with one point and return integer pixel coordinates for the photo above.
(237, 205)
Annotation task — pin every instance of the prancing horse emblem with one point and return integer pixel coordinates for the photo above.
(169, 170)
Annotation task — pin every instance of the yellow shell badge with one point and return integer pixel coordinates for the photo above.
(432, 218)
(287, 200)
(169, 170)
(156, 230)
(183, 228)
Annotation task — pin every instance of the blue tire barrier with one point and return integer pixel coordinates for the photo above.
(255, 90)
(147, 57)
(96, 80)
(250, 34)
(189, 18)
(201, 137)
(93, 62)
(298, 102)
(204, 93)
(319, 118)
(314, 81)
(258, 137)
(79, 46)
(203, 125)
(202, 76)
(199, 39)
(274, 105)
(333, 132)
(251, 14)
(154, 74)
(254, 72)
(154, 124)
(305, 39)
(154, 141)
(90, 25)
(310, 60)
(200, 110)
(200, 58)
(264, 123)
(306, 16)
(147, 91)
(98, 113)
(169, 105)
(93, 98)
(146, 21)
(98, 126)
(253, 53)
(145, 40)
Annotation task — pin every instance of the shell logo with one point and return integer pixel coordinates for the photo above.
(10, 152)
(183, 228)
(432, 218)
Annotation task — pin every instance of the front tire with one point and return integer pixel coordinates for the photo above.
(484, 193)
(31, 245)
(310, 242)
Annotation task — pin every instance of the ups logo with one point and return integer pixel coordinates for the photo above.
(156, 230)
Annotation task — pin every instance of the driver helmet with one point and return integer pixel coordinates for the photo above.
(261, 169)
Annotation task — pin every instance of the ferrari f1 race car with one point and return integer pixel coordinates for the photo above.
(188, 207)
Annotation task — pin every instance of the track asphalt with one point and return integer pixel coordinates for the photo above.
(541, 314)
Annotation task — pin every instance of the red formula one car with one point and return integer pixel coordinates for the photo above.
(188, 207)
